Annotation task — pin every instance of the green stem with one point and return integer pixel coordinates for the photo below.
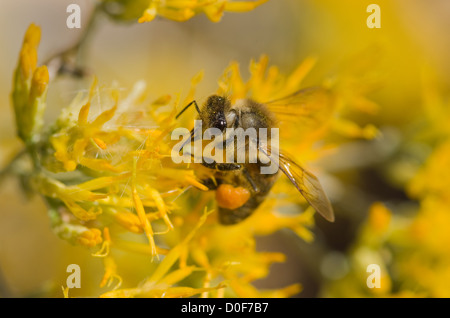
(68, 60)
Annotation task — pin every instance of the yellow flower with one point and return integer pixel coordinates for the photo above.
(90, 237)
(184, 10)
(29, 88)
(148, 10)
(379, 217)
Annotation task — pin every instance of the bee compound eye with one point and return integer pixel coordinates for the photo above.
(221, 124)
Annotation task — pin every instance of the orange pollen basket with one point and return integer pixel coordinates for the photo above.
(231, 198)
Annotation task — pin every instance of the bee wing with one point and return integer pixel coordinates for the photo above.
(309, 106)
(305, 182)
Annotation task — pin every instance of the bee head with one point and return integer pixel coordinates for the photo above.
(216, 108)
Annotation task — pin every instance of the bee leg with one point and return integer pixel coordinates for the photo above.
(250, 180)
(211, 184)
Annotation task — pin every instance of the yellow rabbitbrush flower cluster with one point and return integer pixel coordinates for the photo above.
(177, 10)
(105, 171)
(412, 247)
(184, 10)
(426, 267)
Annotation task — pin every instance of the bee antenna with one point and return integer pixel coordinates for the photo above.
(186, 107)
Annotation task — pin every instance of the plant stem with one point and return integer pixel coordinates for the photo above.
(68, 61)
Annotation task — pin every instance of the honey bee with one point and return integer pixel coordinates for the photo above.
(241, 187)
